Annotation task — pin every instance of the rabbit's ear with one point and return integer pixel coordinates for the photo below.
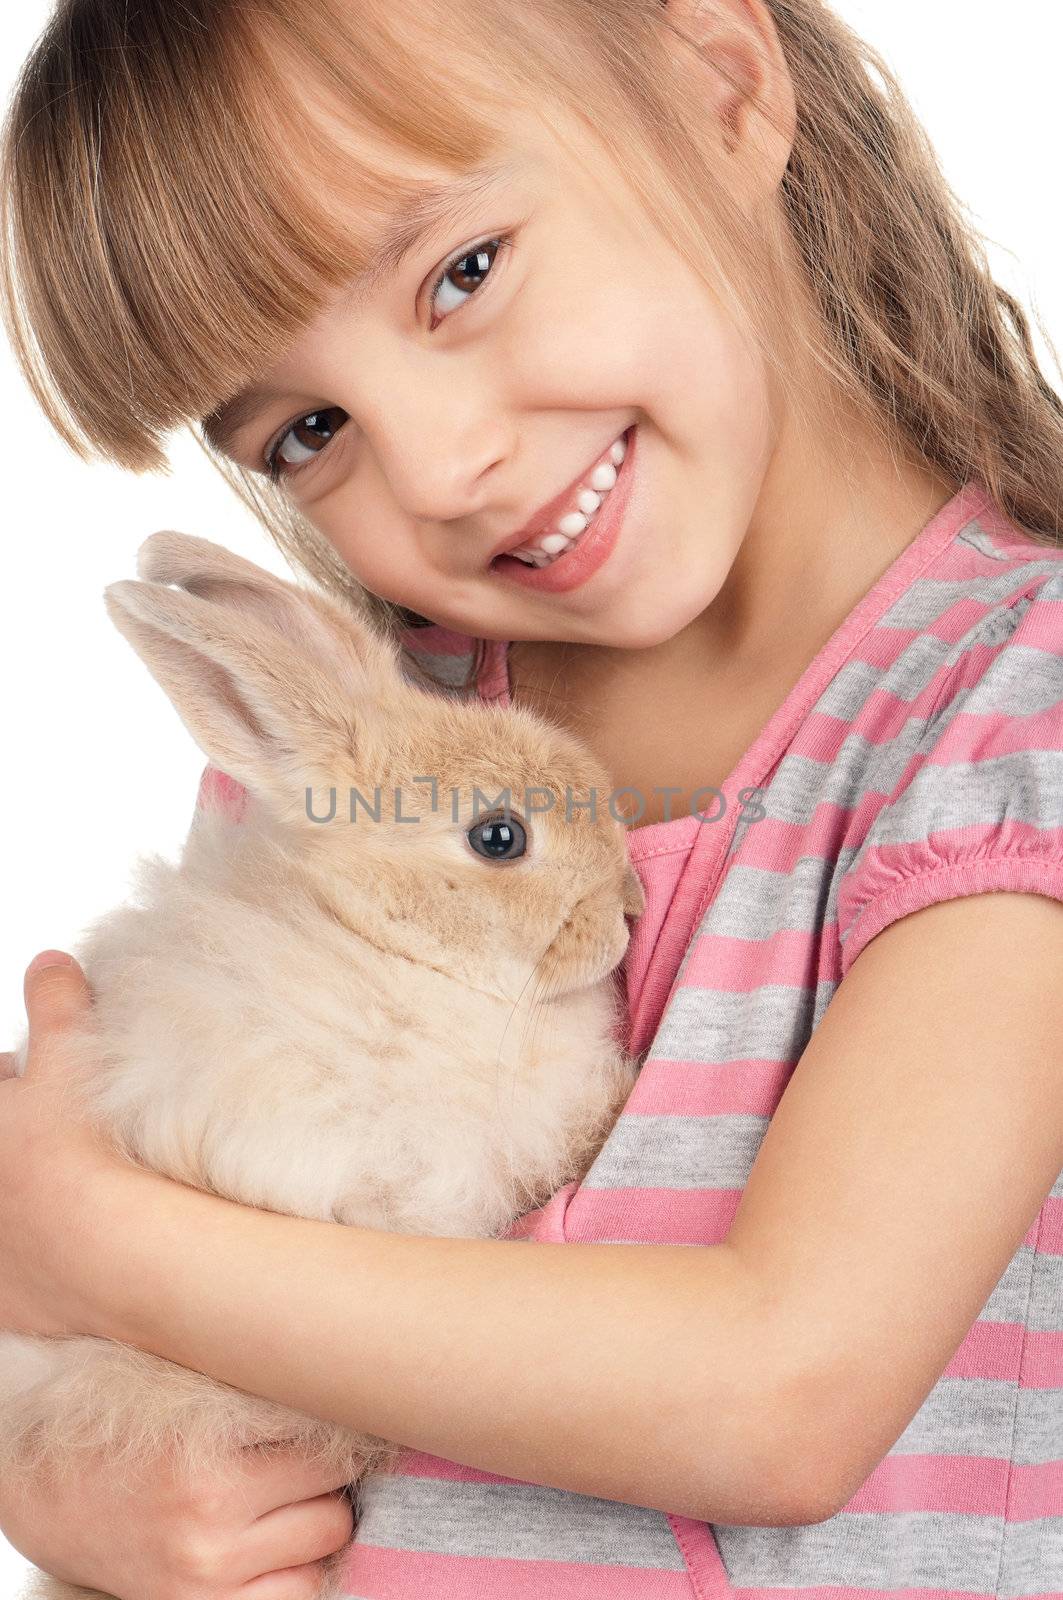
(315, 625)
(255, 702)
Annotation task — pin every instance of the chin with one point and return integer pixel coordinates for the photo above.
(649, 626)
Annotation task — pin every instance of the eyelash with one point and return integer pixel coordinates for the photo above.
(503, 241)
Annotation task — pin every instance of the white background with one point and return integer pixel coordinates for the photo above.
(98, 766)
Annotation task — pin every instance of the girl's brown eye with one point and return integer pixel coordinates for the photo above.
(310, 433)
(466, 274)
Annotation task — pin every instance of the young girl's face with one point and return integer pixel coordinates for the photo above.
(419, 434)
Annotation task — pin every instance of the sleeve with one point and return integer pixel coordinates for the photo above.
(978, 805)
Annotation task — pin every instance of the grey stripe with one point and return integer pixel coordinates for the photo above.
(1045, 1314)
(755, 902)
(1033, 1558)
(775, 1023)
(1023, 786)
(801, 783)
(678, 1153)
(520, 1521)
(1039, 1424)
(1010, 1294)
(1023, 681)
(964, 1416)
(450, 671)
(975, 535)
(898, 1550)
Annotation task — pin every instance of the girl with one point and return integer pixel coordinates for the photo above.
(420, 272)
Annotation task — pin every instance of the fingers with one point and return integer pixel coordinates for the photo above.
(296, 1583)
(281, 1475)
(58, 997)
(7, 1065)
(296, 1535)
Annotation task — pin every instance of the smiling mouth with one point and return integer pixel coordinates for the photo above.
(586, 501)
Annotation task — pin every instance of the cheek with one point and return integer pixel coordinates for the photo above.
(604, 328)
(366, 540)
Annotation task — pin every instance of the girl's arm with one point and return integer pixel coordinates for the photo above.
(760, 1382)
(913, 1148)
(648, 1374)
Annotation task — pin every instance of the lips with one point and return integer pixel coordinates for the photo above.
(545, 519)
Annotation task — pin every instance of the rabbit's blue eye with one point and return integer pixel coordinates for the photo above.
(498, 838)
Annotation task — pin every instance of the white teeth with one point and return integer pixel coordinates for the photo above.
(588, 498)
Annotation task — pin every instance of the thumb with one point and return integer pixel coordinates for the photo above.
(57, 996)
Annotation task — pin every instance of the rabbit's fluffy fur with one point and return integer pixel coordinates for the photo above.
(365, 1022)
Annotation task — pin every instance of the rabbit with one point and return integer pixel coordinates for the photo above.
(405, 1021)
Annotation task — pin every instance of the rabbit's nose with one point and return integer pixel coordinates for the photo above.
(634, 895)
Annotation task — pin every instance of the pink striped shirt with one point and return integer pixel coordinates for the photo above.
(918, 758)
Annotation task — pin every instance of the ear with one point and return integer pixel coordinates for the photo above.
(314, 624)
(273, 691)
(744, 78)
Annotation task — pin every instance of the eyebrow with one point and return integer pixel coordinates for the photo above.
(435, 205)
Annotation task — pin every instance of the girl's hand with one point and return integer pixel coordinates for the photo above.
(262, 1535)
(55, 1171)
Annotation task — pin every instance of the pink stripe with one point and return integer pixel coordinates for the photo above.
(880, 718)
(1039, 628)
(976, 1485)
(721, 964)
(1051, 1240)
(1036, 1491)
(1042, 1366)
(652, 1216)
(776, 845)
(851, 1592)
(378, 1574)
(967, 1485)
(989, 1350)
(885, 644)
(970, 736)
(703, 1089)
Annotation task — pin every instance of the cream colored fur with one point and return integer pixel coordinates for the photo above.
(364, 1022)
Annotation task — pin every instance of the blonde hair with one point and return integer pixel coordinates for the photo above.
(145, 146)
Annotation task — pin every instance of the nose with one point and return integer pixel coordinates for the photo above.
(440, 443)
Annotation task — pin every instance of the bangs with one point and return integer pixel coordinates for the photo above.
(183, 189)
